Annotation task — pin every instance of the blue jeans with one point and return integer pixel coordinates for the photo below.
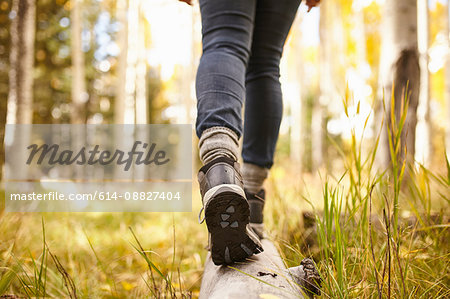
(242, 46)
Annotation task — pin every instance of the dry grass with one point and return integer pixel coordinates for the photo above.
(353, 239)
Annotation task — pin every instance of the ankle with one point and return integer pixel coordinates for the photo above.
(256, 203)
(254, 177)
(218, 142)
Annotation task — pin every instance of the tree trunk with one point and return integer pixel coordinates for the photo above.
(262, 276)
(79, 95)
(132, 58)
(121, 137)
(20, 96)
(325, 85)
(447, 83)
(141, 75)
(332, 78)
(400, 68)
(423, 140)
(295, 84)
(119, 104)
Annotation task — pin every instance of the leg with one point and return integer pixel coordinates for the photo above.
(227, 27)
(227, 30)
(263, 106)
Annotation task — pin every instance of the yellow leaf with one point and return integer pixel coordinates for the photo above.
(128, 286)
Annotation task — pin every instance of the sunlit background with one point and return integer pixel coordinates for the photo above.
(146, 58)
(135, 61)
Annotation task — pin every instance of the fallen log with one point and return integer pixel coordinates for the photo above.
(262, 276)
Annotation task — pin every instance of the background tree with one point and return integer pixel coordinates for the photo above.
(447, 79)
(20, 95)
(122, 40)
(400, 65)
(5, 44)
(325, 85)
(141, 70)
(78, 74)
(423, 138)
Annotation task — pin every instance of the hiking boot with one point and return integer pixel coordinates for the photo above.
(227, 212)
(256, 203)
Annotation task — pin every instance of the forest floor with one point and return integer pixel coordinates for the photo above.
(372, 235)
(135, 255)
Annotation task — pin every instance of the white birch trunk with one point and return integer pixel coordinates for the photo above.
(325, 86)
(79, 95)
(399, 63)
(20, 96)
(122, 40)
(331, 84)
(447, 84)
(294, 77)
(141, 90)
(141, 76)
(423, 140)
(78, 88)
(132, 58)
(122, 136)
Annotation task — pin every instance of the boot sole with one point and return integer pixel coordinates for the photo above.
(227, 217)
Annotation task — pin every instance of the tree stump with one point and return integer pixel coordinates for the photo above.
(262, 276)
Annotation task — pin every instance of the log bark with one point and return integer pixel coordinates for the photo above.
(263, 276)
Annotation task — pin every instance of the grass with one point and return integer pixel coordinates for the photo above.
(379, 235)
(375, 235)
(100, 255)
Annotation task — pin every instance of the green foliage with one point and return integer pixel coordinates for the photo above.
(376, 235)
(52, 60)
